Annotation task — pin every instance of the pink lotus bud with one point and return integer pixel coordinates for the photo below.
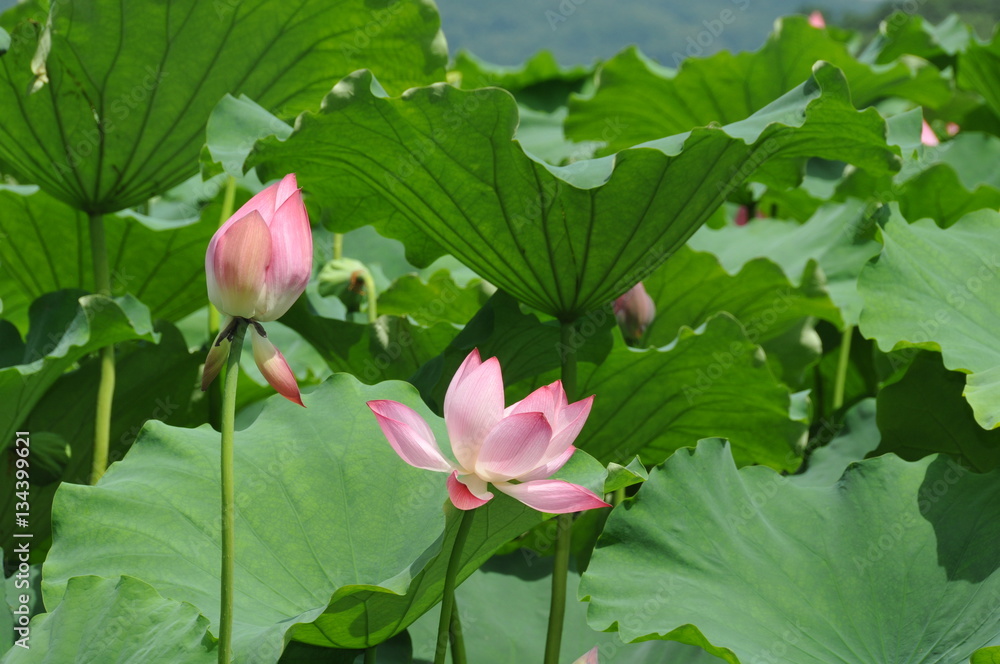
(816, 20)
(260, 260)
(515, 448)
(927, 135)
(951, 128)
(635, 310)
(588, 658)
(257, 265)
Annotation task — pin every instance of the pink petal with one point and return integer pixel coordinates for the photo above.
(409, 435)
(272, 364)
(473, 405)
(545, 400)
(548, 469)
(553, 496)
(469, 364)
(291, 259)
(513, 447)
(263, 202)
(816, 20)
(217, 356)
(285, 189)
(571, 421)
(463, 492)
(236, 263)
(927, 135)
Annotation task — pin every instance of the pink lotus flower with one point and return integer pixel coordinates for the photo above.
(816, 20)
(589, 658)
(257, 265)
(927, 135)
(514, 449)
(635, 310)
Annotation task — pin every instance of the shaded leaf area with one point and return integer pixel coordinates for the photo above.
(841, 444)
(652, 402)
(923, 413)
(943, 182)
(47, 248)
(62, 424)
(979, 70)
(117, 110)
(439, 172)
(539, 83)
(911, 34)
(691, 286)
(525, 582)
(935, 289)
(65, 326)
(648, 101)
(837, 239)
(392, 348)
(304, 480)
(526, 347)
(397, 649)
(892, 563)
(123, 619)
(437, 300)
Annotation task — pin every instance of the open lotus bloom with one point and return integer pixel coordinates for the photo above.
(515, 449)
(257, 265)
(635, 310)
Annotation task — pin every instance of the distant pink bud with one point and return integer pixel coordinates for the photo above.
(260, 260)
(589, 658)
(816, 20)
(951, 128)
(635, 310)
(927, 135)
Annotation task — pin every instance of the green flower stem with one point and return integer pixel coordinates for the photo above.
(228, 493)
(564, 525)
(618, 496)
(106, 386)
(557, 606)
(457, 638)
(338, 246)
(448, 600)
(843, 361)
(372, 297)
(370, 655)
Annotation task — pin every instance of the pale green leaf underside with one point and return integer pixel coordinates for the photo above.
(437, 169)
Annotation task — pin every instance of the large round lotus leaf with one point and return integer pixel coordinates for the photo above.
(330, 523)
(894, 563)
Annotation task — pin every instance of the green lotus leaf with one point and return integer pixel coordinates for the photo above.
(892, 563)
